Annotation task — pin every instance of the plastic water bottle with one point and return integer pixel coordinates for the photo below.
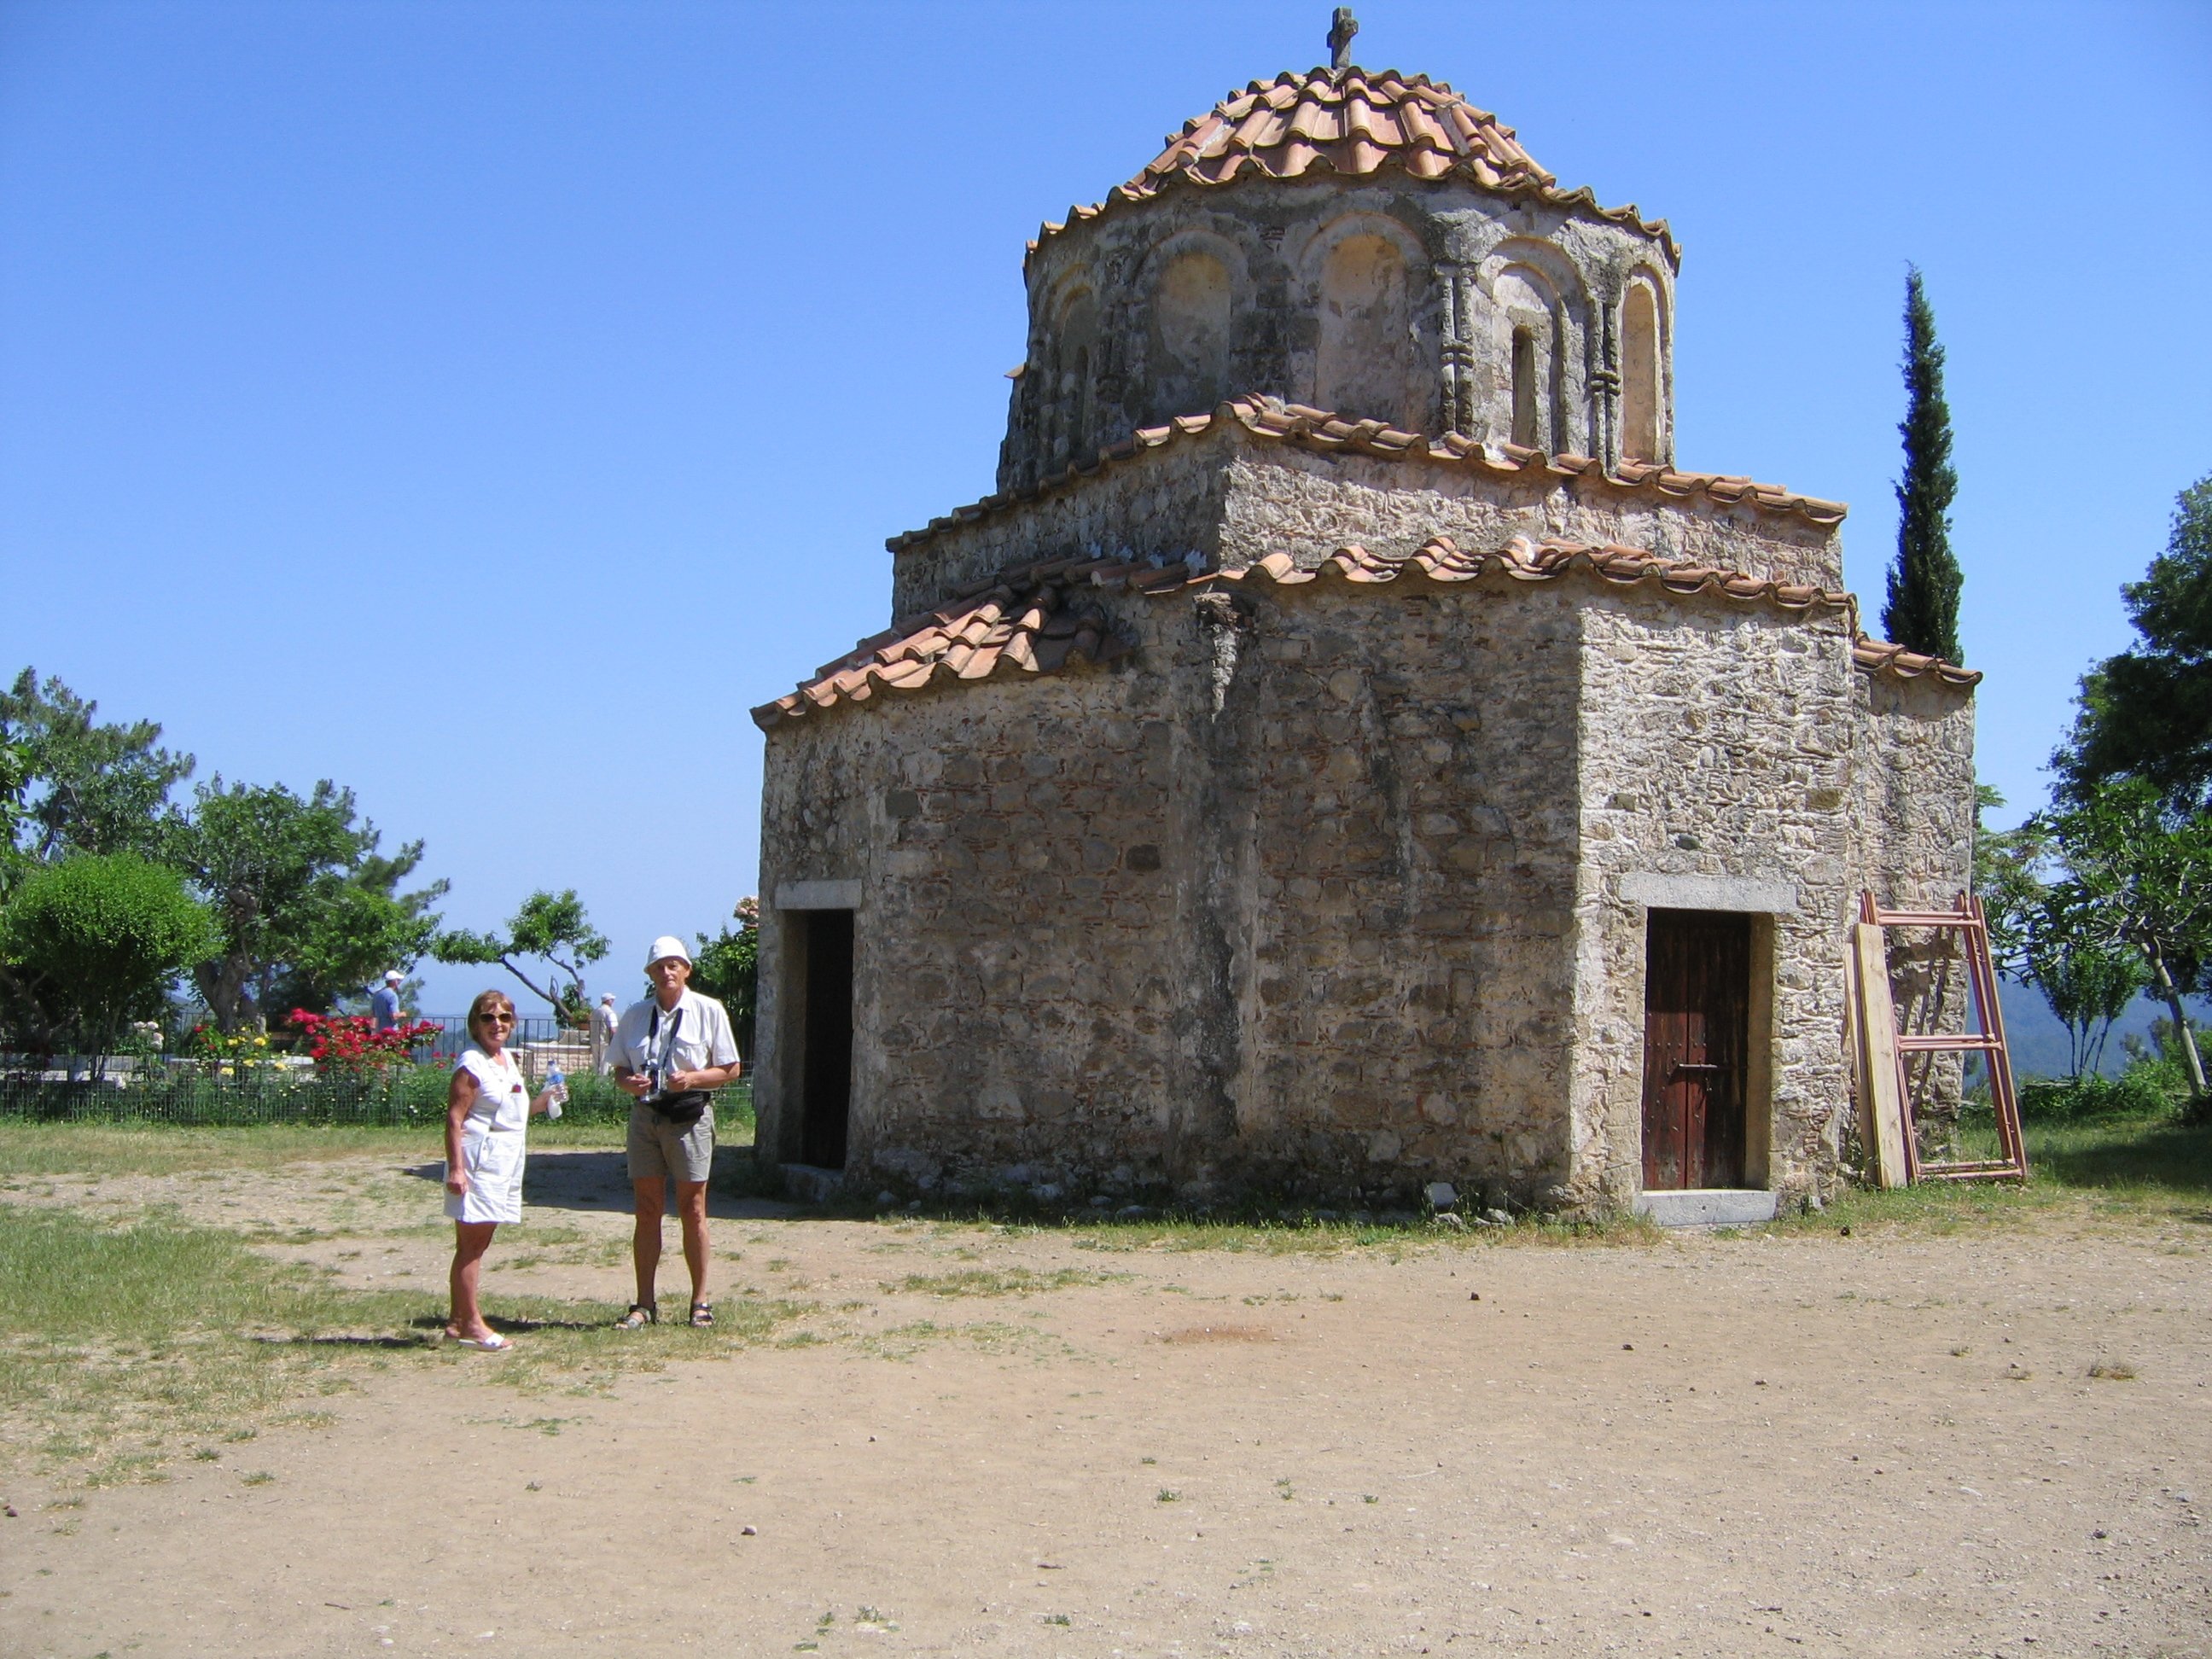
(557, 1085)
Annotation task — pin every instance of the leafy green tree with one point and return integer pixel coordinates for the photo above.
(14, 772)
(307, 907)
(359, 924)
(2087, 979)
(2138, 875)
(92, 942)
(2008, 879)
(728, 968)
(550, 927)
(1921, 612)
(2147, 713)
(88, 786)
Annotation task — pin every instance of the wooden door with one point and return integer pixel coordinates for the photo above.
(1697, 996)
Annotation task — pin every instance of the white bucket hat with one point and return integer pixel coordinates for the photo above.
(665, 946)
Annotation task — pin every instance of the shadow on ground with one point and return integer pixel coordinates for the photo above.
(2174, 1157)
(598, 1179)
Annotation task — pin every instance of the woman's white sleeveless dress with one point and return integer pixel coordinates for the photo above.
(492, 1140)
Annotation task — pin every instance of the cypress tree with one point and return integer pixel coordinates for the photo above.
(1922, 613)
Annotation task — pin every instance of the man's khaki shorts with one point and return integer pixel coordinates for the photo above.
(661, 1151)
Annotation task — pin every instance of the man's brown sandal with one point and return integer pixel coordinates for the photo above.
(638, 1317)
(703, 1315)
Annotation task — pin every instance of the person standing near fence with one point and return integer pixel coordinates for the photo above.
(671, 1052)
(487, 1110)
(384, 1001)
(604, 1019)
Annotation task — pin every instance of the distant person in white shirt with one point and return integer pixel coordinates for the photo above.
(384, 1001)
(604, 1019)
(670, 1053)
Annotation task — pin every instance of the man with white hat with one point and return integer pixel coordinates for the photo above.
(670, 1053)
(384, 1001)
(604, 1019)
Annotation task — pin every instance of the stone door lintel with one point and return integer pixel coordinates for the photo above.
(818, 895)
(1662, 892)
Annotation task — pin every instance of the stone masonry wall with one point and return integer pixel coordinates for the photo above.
(1913, 812)
(1320, 889)
(1232, 499)
(1413, 758)
(1165, 501)
(1014, 972)
(1281, 497)
(1278, 903)
(1717, 741)
(1113, 345)
(1913, 800)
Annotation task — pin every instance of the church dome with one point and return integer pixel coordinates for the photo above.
(1364, 242)
(1355, 124)
(1349, 122)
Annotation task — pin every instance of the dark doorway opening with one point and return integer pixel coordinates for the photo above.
(825, 1090)
(1697, 999)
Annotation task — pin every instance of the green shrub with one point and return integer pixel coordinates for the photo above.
(2137, 1092)
(90, 944)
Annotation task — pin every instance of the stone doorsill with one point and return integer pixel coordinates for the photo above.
(812, 1184)
(1707, 1207)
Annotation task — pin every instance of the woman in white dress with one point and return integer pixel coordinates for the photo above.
(487, 1110)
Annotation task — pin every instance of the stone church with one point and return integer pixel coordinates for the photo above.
(1347, 751)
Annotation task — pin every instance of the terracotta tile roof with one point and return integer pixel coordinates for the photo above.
(1439, 560)
(1880, 657)
(1354, 123)
(1024, 619)
(1319, 429)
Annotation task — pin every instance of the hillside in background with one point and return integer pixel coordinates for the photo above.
(2038, 1039)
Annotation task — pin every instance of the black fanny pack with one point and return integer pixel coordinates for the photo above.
(685, 1108)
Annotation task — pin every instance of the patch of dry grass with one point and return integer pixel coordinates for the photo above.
(986, 1281)
(125, 1344)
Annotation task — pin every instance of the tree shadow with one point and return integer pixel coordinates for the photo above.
(597, 1179)
(2168, 1156)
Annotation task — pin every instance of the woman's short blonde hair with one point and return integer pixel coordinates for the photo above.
(485, 1002)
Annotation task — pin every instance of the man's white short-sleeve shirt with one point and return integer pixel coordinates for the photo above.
(700, 1037)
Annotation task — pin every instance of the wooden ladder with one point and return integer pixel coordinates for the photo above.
(1885, 1087)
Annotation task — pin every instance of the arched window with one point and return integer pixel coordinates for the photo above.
(1527, 342)
(1639, 375)
(1528, 402)
(1189, 336)
(1364, 366)
(1070, 430)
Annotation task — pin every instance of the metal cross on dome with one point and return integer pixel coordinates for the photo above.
(1340, 38)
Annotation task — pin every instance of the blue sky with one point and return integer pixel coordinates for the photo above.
(485, 405)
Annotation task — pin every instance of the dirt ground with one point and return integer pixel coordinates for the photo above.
(1712, 1445)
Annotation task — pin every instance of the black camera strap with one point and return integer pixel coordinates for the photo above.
(652, 1030)
(690, 1105)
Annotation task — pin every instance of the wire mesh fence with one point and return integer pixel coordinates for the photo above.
(197, 1095)
(277, 1086)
